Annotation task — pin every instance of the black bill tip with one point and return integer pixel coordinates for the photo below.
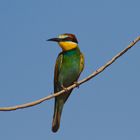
(54, 39)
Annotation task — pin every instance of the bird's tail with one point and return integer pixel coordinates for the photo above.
(57, 115)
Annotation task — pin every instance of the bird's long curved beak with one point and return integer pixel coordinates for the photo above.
(54, 39)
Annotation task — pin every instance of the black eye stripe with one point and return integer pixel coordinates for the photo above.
(70, 39)
(67, 39)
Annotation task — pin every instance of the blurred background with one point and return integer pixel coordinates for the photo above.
(104, 108)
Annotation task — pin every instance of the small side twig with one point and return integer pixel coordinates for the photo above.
(75, 84)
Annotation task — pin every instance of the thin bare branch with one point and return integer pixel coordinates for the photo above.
(74, 85)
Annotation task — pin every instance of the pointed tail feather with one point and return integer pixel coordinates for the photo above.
(57, 116)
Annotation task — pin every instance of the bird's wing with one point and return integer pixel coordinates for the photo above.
(57, 70)
(81, 62)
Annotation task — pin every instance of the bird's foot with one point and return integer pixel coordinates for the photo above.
(77, 85)
(64, 88)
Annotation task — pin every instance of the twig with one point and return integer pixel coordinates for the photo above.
(74, 85)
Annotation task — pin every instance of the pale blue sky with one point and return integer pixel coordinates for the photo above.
(105, 108)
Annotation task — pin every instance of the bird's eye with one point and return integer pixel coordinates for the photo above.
(67, 39)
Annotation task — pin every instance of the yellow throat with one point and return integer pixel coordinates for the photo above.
(67, 45)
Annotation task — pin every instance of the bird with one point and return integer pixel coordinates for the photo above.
(68, 67)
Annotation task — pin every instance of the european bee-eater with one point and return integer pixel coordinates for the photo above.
(69, 65)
